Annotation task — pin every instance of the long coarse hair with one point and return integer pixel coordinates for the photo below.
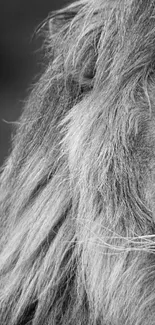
(77, 191)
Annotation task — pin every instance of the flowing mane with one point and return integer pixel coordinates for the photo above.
(77, 195)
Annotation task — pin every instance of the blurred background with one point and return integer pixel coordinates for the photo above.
(20, 58)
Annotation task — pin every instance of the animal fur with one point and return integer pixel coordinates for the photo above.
(77, 200)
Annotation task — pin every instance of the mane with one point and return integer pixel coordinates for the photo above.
(77, 192)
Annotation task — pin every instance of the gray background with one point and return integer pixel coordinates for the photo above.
(21, 58)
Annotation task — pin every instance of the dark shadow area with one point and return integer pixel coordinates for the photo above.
(21, 58)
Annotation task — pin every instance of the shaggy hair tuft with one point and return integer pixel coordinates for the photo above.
(77, 222)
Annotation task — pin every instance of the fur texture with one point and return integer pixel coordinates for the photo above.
(77, 199)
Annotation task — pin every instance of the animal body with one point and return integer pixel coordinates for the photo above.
(77, 197)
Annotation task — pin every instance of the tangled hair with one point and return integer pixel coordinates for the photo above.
(77, 223)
